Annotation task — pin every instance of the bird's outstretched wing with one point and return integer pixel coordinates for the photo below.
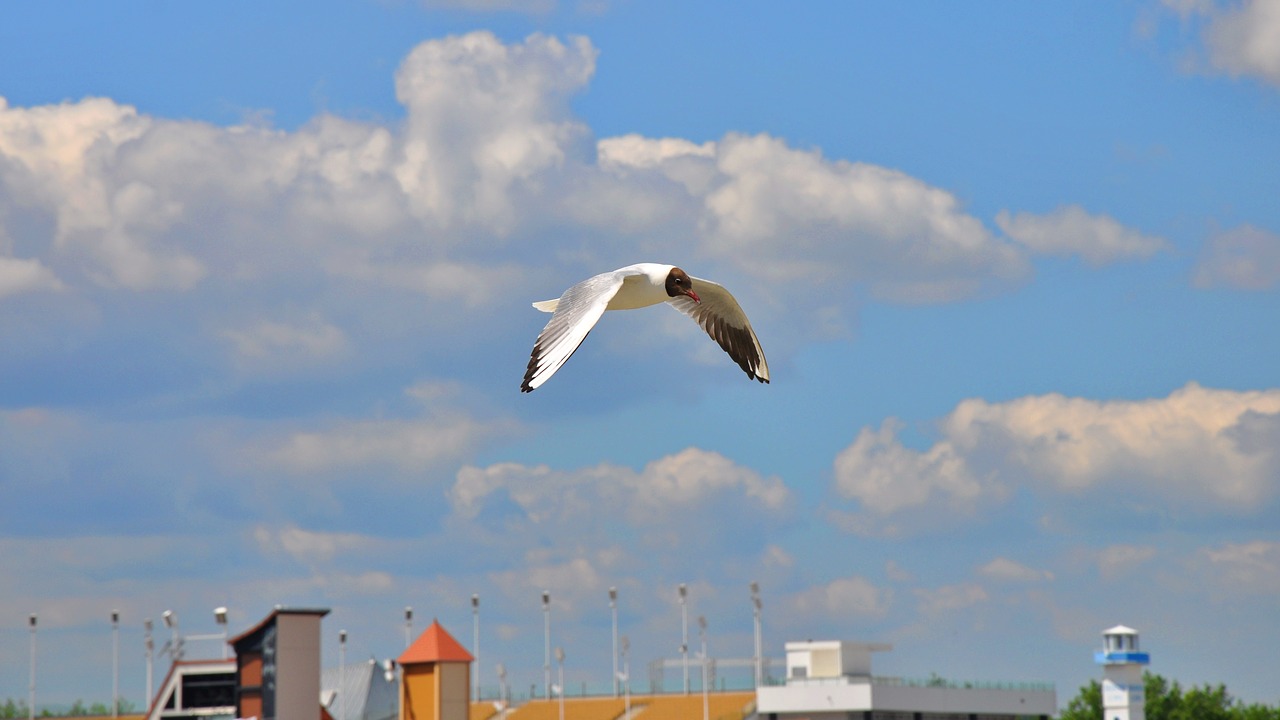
(576, 312)
(723, 319)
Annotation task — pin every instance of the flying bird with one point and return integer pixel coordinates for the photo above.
(576, 312)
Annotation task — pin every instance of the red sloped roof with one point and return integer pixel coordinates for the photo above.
(434, 645)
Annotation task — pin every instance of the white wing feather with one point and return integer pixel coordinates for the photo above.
(576, 313)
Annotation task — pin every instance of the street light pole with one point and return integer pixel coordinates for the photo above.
(613, 608)
(342, 674)
(546, 657)
(626, 678)
(408, 626)
(175, 640)
(684, 634)
(503, 693)
(755, 612)
(220, 617)
(115, 663)
(560, 662)
(31, 689)
(702, 633)
(151, 646)
(475, 641)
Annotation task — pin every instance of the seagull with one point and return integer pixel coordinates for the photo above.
(576, 312)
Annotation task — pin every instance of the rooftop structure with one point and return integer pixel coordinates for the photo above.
(360, 691)
(196, 690)
(277, 666)
(832, 680)
(435, 681)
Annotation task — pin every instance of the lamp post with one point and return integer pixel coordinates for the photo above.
(408, 626)
(342, 674)
(151, 646)
(31, 689)
(115, 663)
(759, 651)
(220, 617)
(702, 633)
(174, 646)
(475, 641)
(560, 687)
(546, 657)
(626, 678)
(684, 633)
(613, 608)
(502, 686)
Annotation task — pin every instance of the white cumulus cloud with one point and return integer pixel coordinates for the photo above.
(949, 598)
(785, 214)
(1007, 570)
(404, 445)
(267, 340)
(1244, 39)
(1117, 560)
(18, 276)
(1250, 567)
(842, 598)
(1244, 258)
(1070, 230)
(1195, 449)
(690, 479)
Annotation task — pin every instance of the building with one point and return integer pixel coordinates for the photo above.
(361, 691)
(277, 666)
(1123, 691)
(435, 681)
(832, 680)
(196, 690)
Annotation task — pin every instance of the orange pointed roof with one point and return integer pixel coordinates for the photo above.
(434, 645)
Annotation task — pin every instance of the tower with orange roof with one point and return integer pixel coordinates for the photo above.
(436, 677)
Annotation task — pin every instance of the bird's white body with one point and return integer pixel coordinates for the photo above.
(644, 288)
(576, 312)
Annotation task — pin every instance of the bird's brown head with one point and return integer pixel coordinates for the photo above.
(679, 283)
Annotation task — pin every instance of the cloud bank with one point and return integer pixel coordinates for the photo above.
(1198, 448)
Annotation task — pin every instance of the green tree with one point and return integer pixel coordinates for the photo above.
(10, 709)
(1087, 705)
(1167, 700)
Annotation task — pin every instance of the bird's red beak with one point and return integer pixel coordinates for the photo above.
(693, 295)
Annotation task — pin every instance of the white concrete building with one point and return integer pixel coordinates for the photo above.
(832, 680)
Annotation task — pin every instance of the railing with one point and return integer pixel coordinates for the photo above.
(932, 681)
(940, 682)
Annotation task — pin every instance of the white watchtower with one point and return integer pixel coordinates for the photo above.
(1123, 694)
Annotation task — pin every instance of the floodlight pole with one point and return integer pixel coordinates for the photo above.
(115, 663)
(475, 641)
(626, 678)
(151, 646)
(503, 693)
(613, 608)
(560, 662)
(220, 617)
(755, 612)
(408, 626)
(31, 689)
(702, 633)
(684, 634)
(342, 674)
(546, 658)
(175, 640)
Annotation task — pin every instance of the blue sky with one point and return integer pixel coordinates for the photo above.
(265, 278)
